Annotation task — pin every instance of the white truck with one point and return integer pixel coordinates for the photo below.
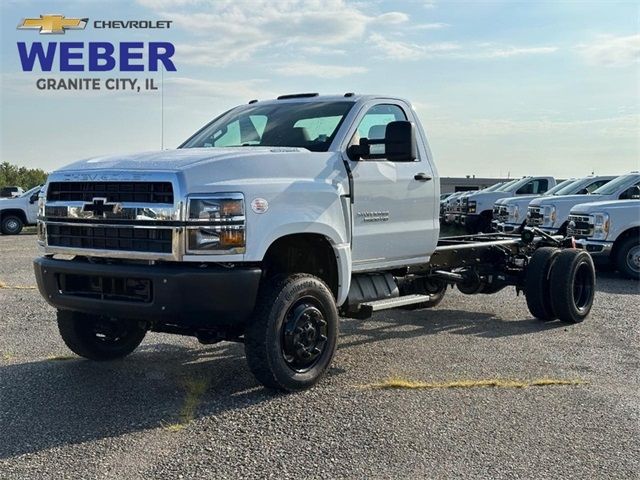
(17, 212)
(610, 232)
(510, 214)
(265, 226)
(551, 215)
(477, 209)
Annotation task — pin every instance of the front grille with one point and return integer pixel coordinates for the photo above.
(135, 192)
(580, 226)
(535, 216)
(117, 289)
(110, 238)
(503, 214)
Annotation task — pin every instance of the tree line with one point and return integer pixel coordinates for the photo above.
(13, 175)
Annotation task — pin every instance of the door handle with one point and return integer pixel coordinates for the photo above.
(422, 177)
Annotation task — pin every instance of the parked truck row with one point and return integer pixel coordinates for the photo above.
(556, 210)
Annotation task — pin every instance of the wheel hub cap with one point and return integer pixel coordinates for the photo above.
(633, 258)
(305, 336)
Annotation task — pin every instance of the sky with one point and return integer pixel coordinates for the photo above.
(502, 88)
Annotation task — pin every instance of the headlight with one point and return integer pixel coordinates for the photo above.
(471, 206)
(513, 212)
(550, 215)
(601, 226)
(222, 224)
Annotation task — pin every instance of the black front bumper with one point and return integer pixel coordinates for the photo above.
(179, 294)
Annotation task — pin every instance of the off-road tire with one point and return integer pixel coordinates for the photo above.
(573, 281)
(81, 333)
(622, 260)
(266, 334)
(537, 283)
(11, 225)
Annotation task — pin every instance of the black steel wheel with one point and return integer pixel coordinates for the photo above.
(292, 337)
(537, 287)
(573, 282)
(99, 338)
(11, 225)
(627, 259)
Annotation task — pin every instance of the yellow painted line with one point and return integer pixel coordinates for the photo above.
(60, 358)
(402, 383)
(17, 287)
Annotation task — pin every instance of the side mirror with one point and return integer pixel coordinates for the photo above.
(632, 193)
(34, 198)
(398, 145)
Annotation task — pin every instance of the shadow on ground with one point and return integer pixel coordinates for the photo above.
(51, 403)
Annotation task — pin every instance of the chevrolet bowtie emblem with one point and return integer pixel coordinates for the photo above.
(99, 207)
(53, 23)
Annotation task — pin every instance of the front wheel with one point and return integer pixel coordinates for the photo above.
(292, 337)
(628, 258)
(99, 338)
(11, 225)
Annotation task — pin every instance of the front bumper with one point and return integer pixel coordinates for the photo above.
(186, 295)
(502, 227)
(595, 248)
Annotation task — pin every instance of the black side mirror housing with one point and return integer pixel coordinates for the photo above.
(399, 144)
(34, 197)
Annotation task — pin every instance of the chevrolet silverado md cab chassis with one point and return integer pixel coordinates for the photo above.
(267, 225)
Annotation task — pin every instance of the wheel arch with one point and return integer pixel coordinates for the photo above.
(13, 211)
(628, 233)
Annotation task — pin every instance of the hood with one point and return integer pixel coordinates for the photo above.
(173, 160)
(521, 198)
(607, 206)
(561, 199)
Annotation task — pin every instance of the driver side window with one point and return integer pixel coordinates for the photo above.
(375, 121)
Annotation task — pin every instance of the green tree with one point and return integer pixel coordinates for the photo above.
(12, 175)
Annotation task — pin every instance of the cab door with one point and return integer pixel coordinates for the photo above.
(395, 221)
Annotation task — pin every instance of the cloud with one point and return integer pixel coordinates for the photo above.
(400, 50)
(243, 89)
(318, 70)
(246, 29)
(610, 51)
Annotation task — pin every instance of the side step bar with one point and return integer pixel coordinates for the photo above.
(366, 309)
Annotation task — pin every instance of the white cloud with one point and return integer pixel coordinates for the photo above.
(242, 89)
(429, 26)
(400, 50)
(318, 70)
(612, 51)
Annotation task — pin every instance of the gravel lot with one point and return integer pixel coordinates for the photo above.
(177, 409)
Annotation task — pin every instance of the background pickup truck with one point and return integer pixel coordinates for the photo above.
(610, 232)
(265, 226)
(510, 214)
(477, 208)
(551, 215)
(17, 212)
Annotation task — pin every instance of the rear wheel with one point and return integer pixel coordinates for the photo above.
(573, 281)
(292, 338)
(537, 286)
(99, 338)
(628, 258)
(11, 225)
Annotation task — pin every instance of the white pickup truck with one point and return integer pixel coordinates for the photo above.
(477, 209)
(510, 214)
(551, 215)
(17, 212)
(610, 232)
(265, 226)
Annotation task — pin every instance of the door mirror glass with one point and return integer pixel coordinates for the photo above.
(398, 144)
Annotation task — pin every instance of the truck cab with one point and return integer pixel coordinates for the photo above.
(610, 232)
(15, 213)
(551, 214)
(478, 208)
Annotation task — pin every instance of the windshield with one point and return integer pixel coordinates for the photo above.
(32, 191)
(506, 185)
(614, 185)
(310, 125)
(492, 187)
(564, 188)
